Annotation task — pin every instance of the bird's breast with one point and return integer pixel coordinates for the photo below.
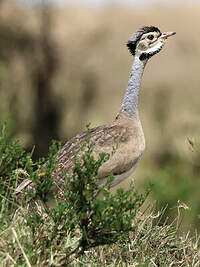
(118, 178)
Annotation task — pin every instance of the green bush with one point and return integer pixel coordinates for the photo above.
(82, 219)
(12, 171)
(88, 225)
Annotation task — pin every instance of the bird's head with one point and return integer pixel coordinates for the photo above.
(147, 42)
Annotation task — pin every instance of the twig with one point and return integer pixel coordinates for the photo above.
(15, 235)
(8, 256)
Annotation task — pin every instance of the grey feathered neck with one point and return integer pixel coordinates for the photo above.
(130, 101)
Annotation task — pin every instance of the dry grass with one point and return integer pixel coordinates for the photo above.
(149, 245)
(91, 43)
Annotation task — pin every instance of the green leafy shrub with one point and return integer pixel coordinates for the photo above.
(88, 219)
(88, 225)
(12, 171)
(82, 219)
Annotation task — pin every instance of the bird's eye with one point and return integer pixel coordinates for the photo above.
(150, 37)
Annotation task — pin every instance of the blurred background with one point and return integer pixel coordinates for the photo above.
(64, 64)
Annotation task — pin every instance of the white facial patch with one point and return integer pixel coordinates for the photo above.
(154, 49)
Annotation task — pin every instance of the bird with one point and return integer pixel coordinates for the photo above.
(142, 45)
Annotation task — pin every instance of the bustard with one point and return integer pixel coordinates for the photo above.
(144, 44)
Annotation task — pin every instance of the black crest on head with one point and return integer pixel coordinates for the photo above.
(132, 42)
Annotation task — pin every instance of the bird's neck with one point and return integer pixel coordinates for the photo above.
(130, 102)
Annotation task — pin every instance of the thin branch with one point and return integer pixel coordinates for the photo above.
(20, 246)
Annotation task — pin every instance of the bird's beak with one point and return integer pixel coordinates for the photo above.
(165, 35)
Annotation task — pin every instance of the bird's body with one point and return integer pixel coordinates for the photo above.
(127, 126)
(104, 139)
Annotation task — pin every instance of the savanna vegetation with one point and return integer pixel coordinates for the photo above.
(87, 224)
(63, 67)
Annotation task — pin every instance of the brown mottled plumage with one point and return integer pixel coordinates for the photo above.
(104, 138)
